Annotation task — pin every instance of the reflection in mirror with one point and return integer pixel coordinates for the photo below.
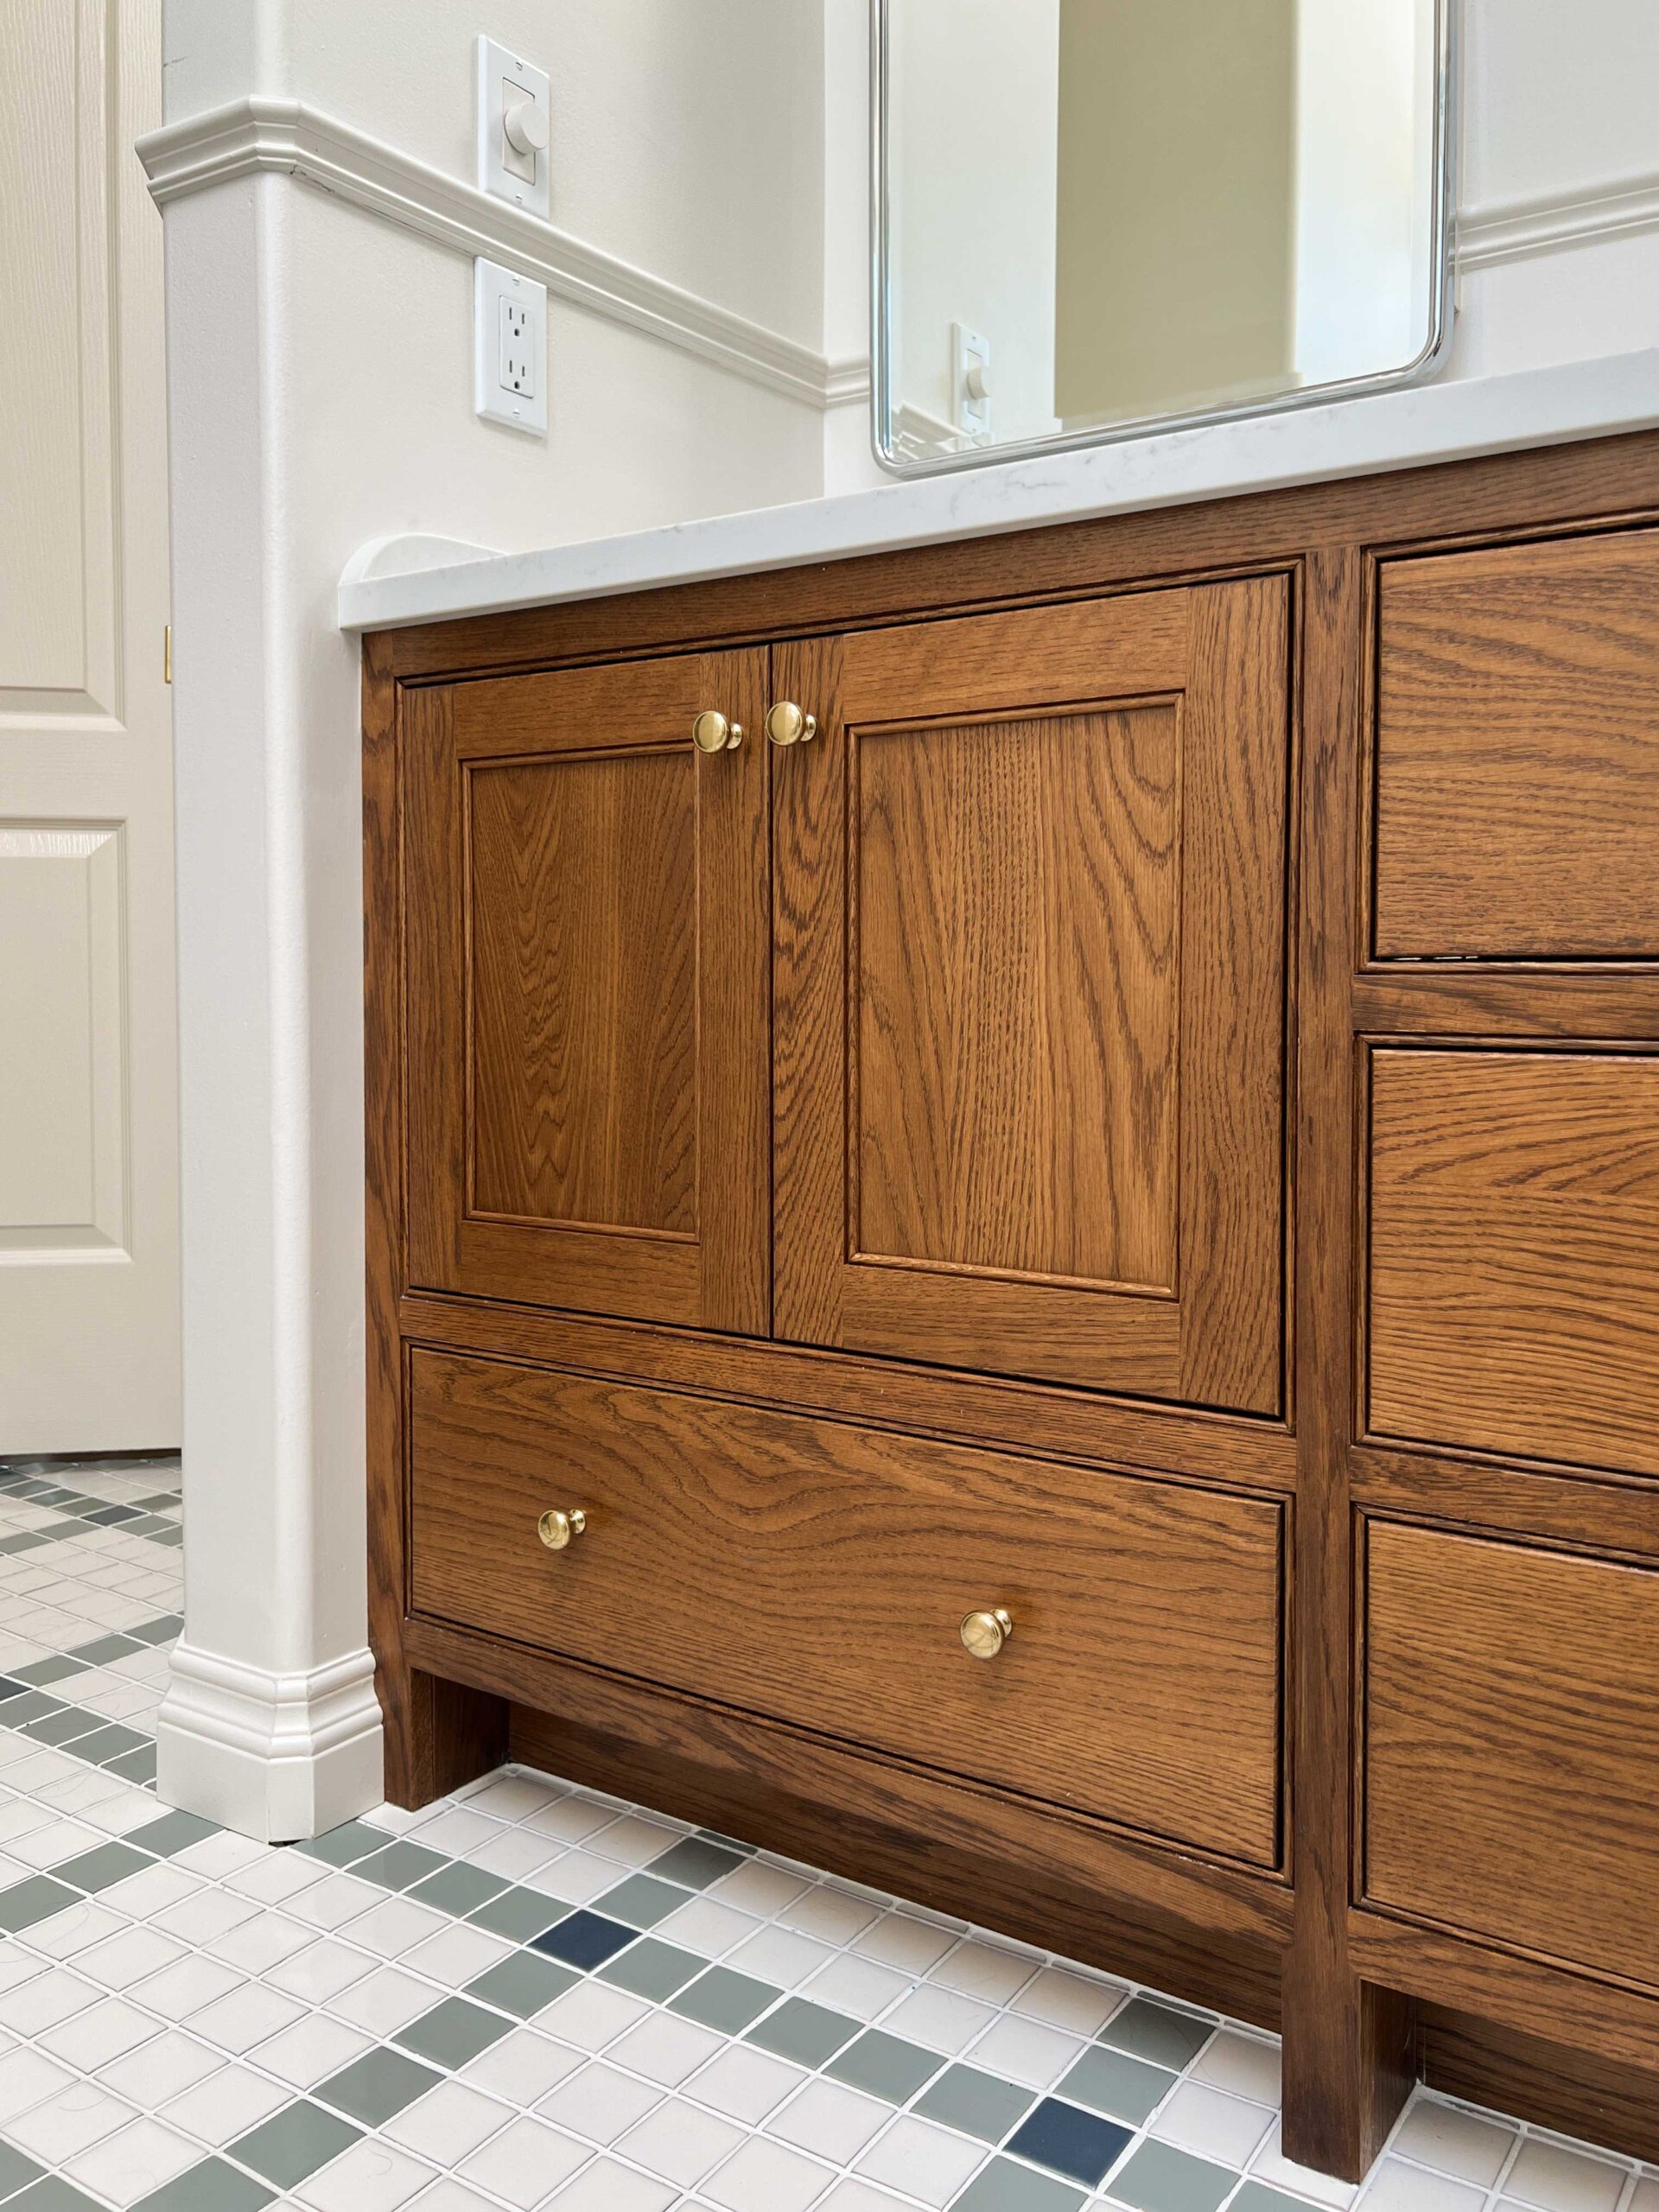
(1098, 213)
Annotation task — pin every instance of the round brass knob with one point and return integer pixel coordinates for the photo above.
(985, 1634)
(712, 732)
(787, 725)
(556, 1530)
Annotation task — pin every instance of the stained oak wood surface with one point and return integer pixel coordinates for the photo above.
(1514, 1253)
(1029, 993)
(821, 1573)
(1517, 751)
(587, 907)
(1512, 1740)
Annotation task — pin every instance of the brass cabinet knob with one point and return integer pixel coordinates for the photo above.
(712, 732)
(787, 725)
(985, 1634)
(556, 1530)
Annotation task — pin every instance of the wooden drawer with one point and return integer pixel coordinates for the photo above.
(820, 1573)
(1517, 752)
(1511, 1746)
(1513, 1297)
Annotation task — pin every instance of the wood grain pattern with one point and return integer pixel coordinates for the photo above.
(820, 1573)
(1009, 931)
(1615, 1515)
(1517, 767)
(1514, 1253)
(1010, 876)
(1512, 1741)
(588, 914)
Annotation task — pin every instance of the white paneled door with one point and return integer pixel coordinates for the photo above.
(89, 1330)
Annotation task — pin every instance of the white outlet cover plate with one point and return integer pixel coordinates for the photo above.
(502, 392)
(503, 78)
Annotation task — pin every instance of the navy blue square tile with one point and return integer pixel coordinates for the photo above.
(585, 1939)
(1077, 2144)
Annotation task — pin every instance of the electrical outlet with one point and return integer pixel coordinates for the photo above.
(515, 128)
(510, 348)
(970, 381)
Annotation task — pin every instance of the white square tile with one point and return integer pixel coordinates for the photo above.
(1212, 2124)
(75, 1929)
(320, 1971)
(1074, 2002)
(681, 2141)
(759, 1887)
(50, 1845)
(1247, 2065)
(383, 2001)
(309, 2050)
(204, 1915)
(32, 2006)
(458, 1829)
(457, 1955)
(335, 1900)
(1453, 2142)
(243, 2018)
(666, 2049)
(216, 1856)
(396, 1924)
(634, 1840)
(26, 2077)
(515, 1854)
(525, 2161)
(928, 2163)
(600, 2104)
(127, 2167)
(274, 1876)
(261, 1943)
(745, 2084)
(576, 1877)
(524, 2066)
(592, 2015)
(165, 2067)
(1550, 2175)
(91, 2039)
(146, 1895)
(68, 2123)
(706, 1927)
(858, 1985)
(1396, 2187)
(780, 1955)
(1271, 2166)
(766, 2176)
(510, 1797)
(567, 1820)
(1025, 2050)
(831, 2120)
(226, 2104)
(606, 2187)
(372, 2176)
(941, 2018)
(447, 2123)
(983, 1970)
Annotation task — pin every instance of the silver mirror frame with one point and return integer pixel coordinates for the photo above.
(1442, 296)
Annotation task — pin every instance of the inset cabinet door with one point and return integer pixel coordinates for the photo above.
(1028, 993)
(587, 904)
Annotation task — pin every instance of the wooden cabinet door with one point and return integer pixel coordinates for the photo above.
(1028, 993)
(586, 901)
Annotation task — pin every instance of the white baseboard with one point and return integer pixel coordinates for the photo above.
(276, 1756)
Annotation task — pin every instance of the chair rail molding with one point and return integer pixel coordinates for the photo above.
(1517, 229)
(289, 137)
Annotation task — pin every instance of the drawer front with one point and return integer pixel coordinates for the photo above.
(1512, 1743)
(820, 1574)
(1514, 1253)
(1517, 752)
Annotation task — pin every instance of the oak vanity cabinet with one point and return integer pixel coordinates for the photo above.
(1014, 1228)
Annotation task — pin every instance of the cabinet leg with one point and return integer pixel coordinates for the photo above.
(1350, 2062)
(439, 1734)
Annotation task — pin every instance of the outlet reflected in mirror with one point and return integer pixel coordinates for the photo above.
(1095, 217)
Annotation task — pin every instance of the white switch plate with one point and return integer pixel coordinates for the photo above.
(503, 81)
(510, 348)
(970, 410)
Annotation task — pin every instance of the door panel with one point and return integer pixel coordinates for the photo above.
(1028, 993)
(89, 1281)
(587, 902)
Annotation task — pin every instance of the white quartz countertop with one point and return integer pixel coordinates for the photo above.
(393, 580)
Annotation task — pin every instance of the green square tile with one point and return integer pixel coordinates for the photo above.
(25, 1542)
(373, 2087)
(458, 1889)
(21, 1711)
(519, 1914)
(342, 1846)
(52, 2195)
(1113, 2082)
(52, 1669)
(806, 2033)
(158, 1631)
(103, 1649)
(695, 1863)
(977, 2104)
(1160, 2178)
(524, 1984)
(107, 1744)
(294, 2143)
(1004, 2187)
(100, 1868)
(725, 2001)
(641, 1901)
(452, 2033)
(652, 1969)
(211, 2187)
(400, 1865)
(63, 1725)
(1155, 2031)
(886, 2065)
(134, 1766)
(15, 2170)
(1256, 2196)
(37, 1897)
(173, 1832)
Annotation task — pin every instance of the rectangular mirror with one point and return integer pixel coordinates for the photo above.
(1097, 217)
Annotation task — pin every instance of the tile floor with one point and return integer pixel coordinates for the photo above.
(530, 1996)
